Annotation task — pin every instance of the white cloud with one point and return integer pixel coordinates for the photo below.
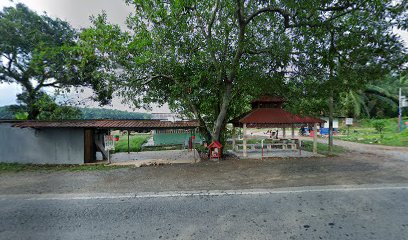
(8, 93)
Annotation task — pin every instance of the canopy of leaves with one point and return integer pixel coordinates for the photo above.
(210, 58)
(34, 51)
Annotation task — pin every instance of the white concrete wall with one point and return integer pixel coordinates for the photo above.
(335, 122)
(44, 146)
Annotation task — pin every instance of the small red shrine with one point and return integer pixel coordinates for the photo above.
(215, 149)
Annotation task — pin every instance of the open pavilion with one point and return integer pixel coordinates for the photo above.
(268, 112)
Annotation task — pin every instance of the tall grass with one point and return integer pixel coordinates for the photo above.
(136, 142)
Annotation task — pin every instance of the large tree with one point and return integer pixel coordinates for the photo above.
(358, 49)
(33, 53)
(210, 57)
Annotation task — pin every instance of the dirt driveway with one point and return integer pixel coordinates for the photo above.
(348, 169)
(395, 153)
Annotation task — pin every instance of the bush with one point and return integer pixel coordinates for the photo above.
(379, 126)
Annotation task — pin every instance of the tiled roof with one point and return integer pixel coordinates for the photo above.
(108, 123)
(276, 116)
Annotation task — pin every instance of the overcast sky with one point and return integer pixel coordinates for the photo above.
(77, 13)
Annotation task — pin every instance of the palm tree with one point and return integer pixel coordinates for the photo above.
(376, 100)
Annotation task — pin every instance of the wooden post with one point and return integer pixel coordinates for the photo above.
(89, 148)
(128, 133)
(284, 133)
(244, 141)
(315, 138)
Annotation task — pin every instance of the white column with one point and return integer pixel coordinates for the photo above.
(293, 131)
(315, 138)
(244, 141)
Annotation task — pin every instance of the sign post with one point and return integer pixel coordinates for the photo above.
(403, 102)
(349, 122)
(109, 144)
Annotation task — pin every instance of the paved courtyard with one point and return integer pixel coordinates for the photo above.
(155, 157)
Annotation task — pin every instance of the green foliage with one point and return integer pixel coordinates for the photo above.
(46, 107)
(173, 138)
(378, 99)
(33, 52)
(322, 148)
(379, 125)
(21, 115)
(49, 110)
(208, 59)
(136, 142)
(363, 131)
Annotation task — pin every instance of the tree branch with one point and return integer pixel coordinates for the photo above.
(287, 16)
(282, 12)
(211, 23)
(154, 77)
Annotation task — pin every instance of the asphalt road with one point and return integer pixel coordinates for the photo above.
(360, 212)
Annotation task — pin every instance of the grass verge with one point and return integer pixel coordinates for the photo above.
(322, 148)
(364, 132)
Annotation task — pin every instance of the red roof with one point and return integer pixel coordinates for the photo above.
(275, 116)
(108, 123)
(308, 119)
(215, 144)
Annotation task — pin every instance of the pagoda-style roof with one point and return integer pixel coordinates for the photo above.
(267, 101)
(267, 112)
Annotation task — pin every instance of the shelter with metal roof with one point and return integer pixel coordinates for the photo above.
(109, 124)
(267, 112)
(69, 141)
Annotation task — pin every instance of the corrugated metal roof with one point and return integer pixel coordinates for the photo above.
(276, 116)
(108, 123)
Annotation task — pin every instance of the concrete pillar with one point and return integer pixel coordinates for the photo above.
(293, 131)
(315, 138)
(244, 145)
(284, 133)
(128, 135)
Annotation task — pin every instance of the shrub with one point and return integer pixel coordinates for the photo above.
(379, 126)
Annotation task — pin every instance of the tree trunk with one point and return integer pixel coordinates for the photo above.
(331, 110)
(204, 129)
(32, 110)
(219, 123)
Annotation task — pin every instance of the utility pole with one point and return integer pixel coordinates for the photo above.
(403, 102)
(400, 110)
